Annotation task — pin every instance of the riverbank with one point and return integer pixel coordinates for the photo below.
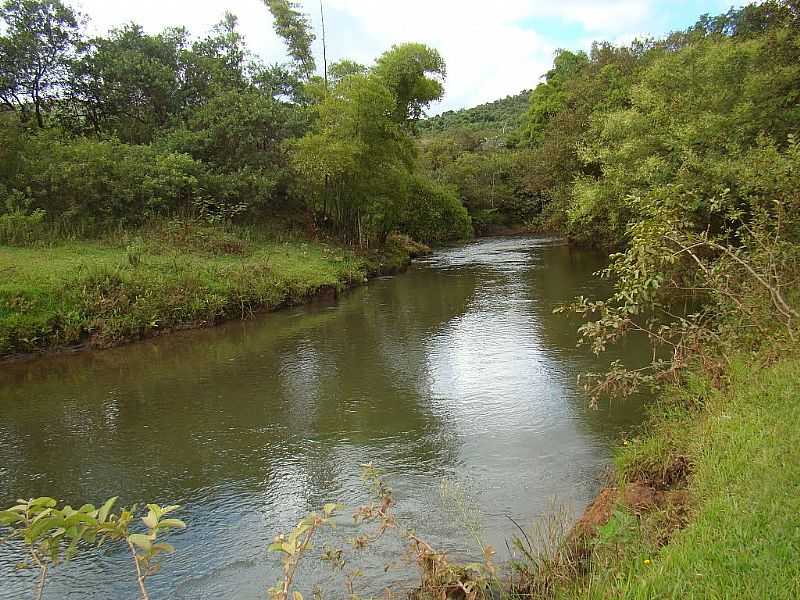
(707, 499)
(102, 293)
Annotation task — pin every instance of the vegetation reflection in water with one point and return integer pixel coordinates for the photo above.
(454, 372)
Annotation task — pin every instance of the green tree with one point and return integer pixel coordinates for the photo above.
(294, 27)
(355, 164)
(40, 39)
(130, 83)
(341, 69)
(550, 97)
(216, 63)
(414, 73)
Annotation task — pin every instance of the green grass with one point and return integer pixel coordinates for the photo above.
(743, 536)
(107, 292)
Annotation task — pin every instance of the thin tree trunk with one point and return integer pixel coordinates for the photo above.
(324, 47)
(139, 577)
(42, 579)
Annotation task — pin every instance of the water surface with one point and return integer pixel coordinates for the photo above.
(456, 373)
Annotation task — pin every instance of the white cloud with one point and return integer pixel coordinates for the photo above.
(492, 49)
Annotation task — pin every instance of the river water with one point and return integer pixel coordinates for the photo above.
(454, 378)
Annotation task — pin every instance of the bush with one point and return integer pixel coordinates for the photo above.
(104, 183)
(20, 228)
(433, 213)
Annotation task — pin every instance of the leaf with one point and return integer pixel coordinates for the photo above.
(40, 527)
(297, 595)
(102, 515)
(72, 549)
(150, 521)
(9, 517)
(141, 541)
(174, 523)
(289, 548)
(44, 501)
(79, 517)
(164, 547)
(44, 513)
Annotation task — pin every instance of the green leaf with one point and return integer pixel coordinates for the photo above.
(42, 514)
(9, 517)
(102, 515)
(44, 501)
(164, 547)
(72, 549)
(150, 521)
(141, 541)
(290, 549)
(41, 527)
(174, 523)
(79, 517)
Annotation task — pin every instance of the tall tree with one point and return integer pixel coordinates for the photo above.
(550, 97)
(41, 37)
(294, 27)
(415, 73)
(355, 166)
(131, 83)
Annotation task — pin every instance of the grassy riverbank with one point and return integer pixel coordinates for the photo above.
(177, 275)
(710, 496)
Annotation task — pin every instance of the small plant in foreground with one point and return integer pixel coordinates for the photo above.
(50, 535)
(294, 546)
(439, 578)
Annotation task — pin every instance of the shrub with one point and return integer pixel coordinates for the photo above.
(433, 213)
(104, 183)
(21, 228)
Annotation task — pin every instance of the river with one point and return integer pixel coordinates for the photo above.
(454, 378)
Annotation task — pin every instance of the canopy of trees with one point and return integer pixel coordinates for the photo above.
(117, 129)
(623, 122)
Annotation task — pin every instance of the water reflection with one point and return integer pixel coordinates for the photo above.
(456, 370)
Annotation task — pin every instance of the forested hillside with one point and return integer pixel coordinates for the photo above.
(499, 117)
(619, 121)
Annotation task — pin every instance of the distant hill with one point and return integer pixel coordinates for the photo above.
(499, 115)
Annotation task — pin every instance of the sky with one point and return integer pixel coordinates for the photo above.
(492, 48)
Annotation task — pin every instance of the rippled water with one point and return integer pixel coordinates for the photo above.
(455, 374)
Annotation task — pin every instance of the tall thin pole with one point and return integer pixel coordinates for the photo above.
(324, 46)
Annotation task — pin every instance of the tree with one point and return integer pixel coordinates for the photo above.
(295, 29)
(356, 164)
(548, 98)
(341, 69)
(40, 40)
(415, 74)
(131, 83)
(217, 63)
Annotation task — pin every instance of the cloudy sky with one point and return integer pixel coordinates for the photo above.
(493, 48)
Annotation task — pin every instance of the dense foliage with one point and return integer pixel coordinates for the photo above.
(118, 129)
(679, 151)
(499, 116)
(682, 153)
